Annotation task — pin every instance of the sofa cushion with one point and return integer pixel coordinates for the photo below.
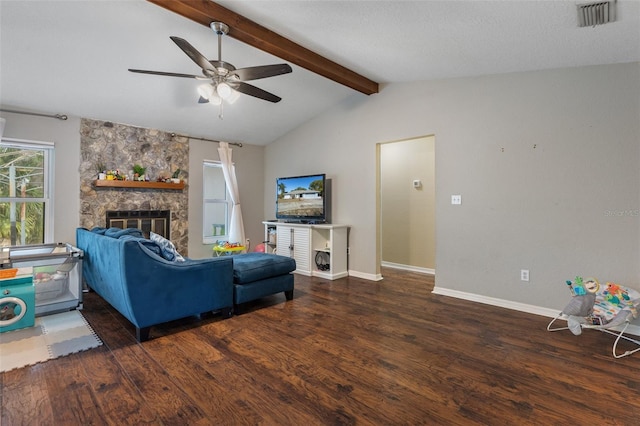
(250, 267)
(117, 232)
(154, 247)
(169, 250)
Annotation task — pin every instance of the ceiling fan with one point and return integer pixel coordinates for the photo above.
(223, 79)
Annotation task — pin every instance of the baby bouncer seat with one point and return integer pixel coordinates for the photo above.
(609, 309)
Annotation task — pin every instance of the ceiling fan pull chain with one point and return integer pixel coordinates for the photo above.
(221, 111)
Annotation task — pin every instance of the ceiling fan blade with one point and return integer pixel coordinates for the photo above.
(254, 91)
(169, 74)
(191, 52)
(264, 71)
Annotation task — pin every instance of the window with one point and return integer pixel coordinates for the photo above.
(216, 203)
(26, 204)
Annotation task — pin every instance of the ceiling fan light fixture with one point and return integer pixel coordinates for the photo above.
(235, 95)
(215, 99)
(224, 90)
(206, 91)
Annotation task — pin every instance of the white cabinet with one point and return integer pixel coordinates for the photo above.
(319, 250)
(295, 242)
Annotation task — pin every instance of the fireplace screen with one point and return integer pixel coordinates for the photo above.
(147, 221)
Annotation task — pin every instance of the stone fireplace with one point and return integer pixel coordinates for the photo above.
(119, 147)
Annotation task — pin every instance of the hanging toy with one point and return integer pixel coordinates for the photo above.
(580, 287)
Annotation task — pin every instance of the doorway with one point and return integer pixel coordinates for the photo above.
(406, 204)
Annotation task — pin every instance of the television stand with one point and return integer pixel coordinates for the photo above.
(303, 241)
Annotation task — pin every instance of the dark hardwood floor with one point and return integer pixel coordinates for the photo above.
(342, 352)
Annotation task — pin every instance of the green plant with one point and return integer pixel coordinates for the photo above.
(16, 217)
(100, 167)
(176, 174)
(139, 170)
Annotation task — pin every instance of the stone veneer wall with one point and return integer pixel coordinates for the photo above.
(119, 147)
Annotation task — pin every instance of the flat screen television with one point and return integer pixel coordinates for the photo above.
(302, 199)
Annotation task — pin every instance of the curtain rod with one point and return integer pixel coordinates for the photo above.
(58, 116)
(64, 117)
(173, 135)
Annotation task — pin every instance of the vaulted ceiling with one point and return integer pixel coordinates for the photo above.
(71, 57)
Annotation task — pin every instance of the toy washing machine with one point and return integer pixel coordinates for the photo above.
(17, 303)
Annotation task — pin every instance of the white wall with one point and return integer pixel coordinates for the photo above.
(547, 164)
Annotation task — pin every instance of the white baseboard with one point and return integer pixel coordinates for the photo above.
(522, 307)
(410, 268)
(363, 275)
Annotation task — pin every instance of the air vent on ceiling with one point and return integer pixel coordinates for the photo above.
(592, 14)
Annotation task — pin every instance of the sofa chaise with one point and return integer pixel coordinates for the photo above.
(257, 275)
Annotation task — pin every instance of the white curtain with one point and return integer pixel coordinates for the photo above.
(236, 226)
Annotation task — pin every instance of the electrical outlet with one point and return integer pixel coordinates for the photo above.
(524, 275)
(456, 199)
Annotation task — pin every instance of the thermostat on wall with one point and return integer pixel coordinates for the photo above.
(417, 183)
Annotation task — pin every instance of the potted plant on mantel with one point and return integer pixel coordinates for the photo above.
(175, 176)
(138, 172)
(101, 168)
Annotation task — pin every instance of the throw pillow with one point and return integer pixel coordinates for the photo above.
(151, 245)
(169, 251)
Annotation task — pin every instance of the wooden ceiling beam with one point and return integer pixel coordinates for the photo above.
(245, 30)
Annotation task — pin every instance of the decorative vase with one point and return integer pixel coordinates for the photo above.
(102, 176)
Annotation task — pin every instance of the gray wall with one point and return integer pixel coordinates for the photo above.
(547, 164)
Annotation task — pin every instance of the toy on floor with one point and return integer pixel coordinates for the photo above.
(581, 305)
(600, 307)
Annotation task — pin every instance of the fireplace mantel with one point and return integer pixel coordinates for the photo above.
(103, 183)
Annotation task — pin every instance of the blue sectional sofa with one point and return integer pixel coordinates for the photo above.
(148, 284)
(129, 273)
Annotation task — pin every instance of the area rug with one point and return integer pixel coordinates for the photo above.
(51, 337)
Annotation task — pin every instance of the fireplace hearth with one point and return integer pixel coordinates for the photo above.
(157, 221)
